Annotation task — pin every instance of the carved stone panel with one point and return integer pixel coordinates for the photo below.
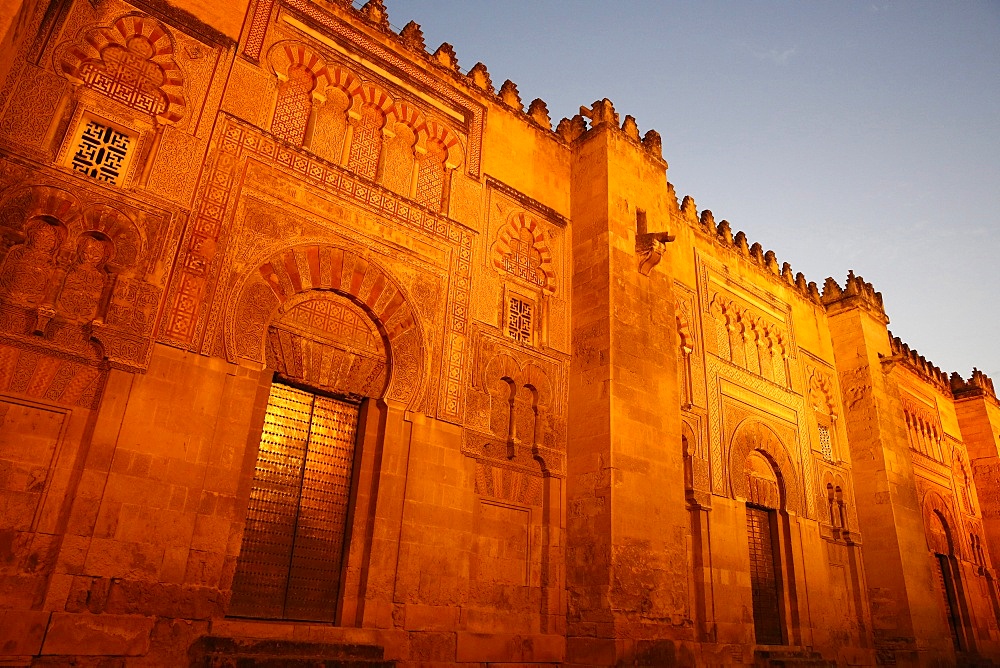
(77, 271)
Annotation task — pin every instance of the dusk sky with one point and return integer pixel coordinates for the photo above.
(841, 135)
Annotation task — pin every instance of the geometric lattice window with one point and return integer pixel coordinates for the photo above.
(366, 145)
(102, 152)
(520, 319)
(291, 112)
(127, 75)
(824, 443)
(430, 177)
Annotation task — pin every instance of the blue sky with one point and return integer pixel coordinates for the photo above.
(842, 135)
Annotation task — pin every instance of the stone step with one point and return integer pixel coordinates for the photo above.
(798, 658)
(228, 652)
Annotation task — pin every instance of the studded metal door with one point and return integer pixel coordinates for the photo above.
(763, 580)
(947, 589)
(290, 559)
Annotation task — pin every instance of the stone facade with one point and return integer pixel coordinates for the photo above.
(310, 342)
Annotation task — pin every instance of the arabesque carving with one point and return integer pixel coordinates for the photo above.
(821, 391)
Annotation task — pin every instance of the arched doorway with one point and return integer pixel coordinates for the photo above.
(763, 501)
(940, 543)
(328, 356)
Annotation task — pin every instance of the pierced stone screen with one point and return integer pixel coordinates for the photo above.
(520, 313)
(825, 444)
(101, 152)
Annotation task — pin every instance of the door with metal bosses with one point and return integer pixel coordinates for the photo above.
(763, 578)
(292, 551)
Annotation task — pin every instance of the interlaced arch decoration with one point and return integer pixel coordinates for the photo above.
(131, 61)
(520, 250)
(302, 78)
(405, 113)
(377, 97)
(434, 130)
(752, 435)
(277, 283)
(375, 112)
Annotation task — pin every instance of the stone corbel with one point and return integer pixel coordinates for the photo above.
(650, 246)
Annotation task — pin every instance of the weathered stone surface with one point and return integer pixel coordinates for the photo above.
(337, 347)
(91, 635)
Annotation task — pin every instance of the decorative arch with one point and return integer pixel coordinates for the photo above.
(279, 283)
(373, 95)
(285, 55)
(346, 81)
(533, 376)
(689, 441)
(833, 496)
(501, 374)
(751, 435)
(369, 127)
(435, 130)
(939, 525)
(405, 113)
(684, 339)
(689, 453)
(500, 367)
(520, 250)
(30, 202)
(127, 241)
(131, 61)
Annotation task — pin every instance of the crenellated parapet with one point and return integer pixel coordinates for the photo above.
(978, 385)
(602, 114)
(766, 260)
(918, 364)
(856, 292)
(445, 60)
